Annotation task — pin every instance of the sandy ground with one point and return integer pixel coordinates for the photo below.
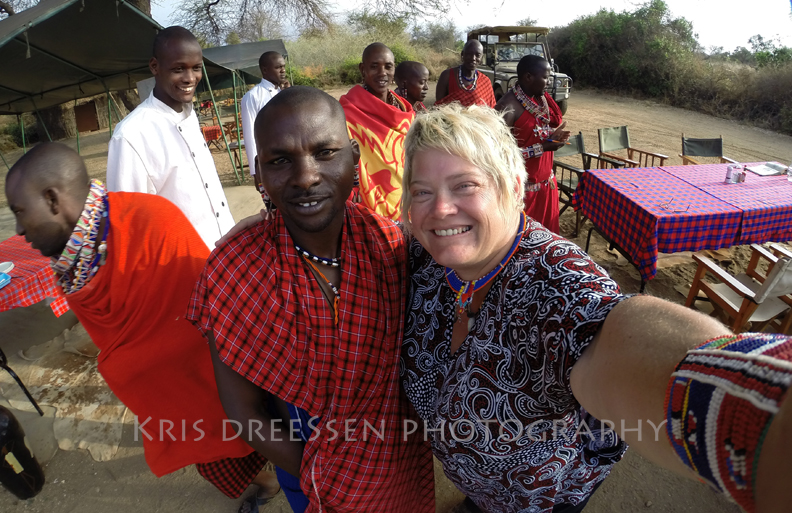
(75, 481)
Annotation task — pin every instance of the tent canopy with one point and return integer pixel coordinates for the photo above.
(62, 50)
(245, 57)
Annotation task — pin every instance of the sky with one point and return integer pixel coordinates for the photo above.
(718, 23)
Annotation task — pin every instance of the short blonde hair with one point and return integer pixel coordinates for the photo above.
(477, 134)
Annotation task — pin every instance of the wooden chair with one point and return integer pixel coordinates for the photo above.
(617, 139)
(750, 300)
(568, 176)
(710, 148)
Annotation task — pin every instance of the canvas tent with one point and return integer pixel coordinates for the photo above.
(244, 57)
(62, 50)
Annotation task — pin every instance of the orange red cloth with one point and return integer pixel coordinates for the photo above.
(274, 326)
(481, 95)
(541, 205)
(153, 359)
(379, 129)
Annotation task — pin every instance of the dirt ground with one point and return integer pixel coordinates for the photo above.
(75, 481)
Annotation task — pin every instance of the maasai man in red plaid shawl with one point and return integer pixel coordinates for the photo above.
(466, 84)
(305, 311)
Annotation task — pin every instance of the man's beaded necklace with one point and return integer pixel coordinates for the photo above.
(82, 257)
(463, 79)
(330, 262)
(540, 112)
(465, 289)
(392, 100)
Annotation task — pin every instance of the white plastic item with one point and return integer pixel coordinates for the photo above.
(6, 267)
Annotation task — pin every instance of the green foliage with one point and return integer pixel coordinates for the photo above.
(232, 39)
(15, 133)
(378, 24)
(297, 77)
(437, 36)
(767, 53)
(643, 50)
(526, 22)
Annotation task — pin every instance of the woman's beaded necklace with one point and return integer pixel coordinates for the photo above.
(465, 289)
(540, 112)
(463, 79)
(330, 262)
(82, 257)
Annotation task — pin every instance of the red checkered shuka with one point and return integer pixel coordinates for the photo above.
(481, 95)
(232, 476)
(274, 326)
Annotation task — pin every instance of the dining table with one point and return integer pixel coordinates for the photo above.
(669, 209)
(32, 279)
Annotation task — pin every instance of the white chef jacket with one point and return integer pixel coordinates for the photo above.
(157, 150)
(253, 101)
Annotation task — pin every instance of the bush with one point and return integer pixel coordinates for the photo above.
(13, 131)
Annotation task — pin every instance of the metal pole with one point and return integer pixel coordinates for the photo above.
(236, 122)
(217, 113)
(38, 114)
(4, 161)
(109, 117)
(22, 129)
(76, 128)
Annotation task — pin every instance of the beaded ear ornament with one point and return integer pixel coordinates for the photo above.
(465, 289)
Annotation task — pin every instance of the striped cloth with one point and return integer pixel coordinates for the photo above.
(32, 280)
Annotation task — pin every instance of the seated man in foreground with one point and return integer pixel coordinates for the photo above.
(127, 263)
(306, 311)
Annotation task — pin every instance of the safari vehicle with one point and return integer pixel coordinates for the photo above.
(503, 49)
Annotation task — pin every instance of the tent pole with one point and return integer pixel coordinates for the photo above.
(236, 122)
(4, 161)
(76, 128)
(40, 120)
(219, 121)
(291, 70)
(109, 117)
(22, 129)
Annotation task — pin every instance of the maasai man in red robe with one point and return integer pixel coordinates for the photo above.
(127, 263)
(536, 123)
(305, 312)
(412, 81)
(378, 120)
(466, 84)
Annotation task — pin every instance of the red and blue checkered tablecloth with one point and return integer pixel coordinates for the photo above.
(766, 201)
(31, 278)
(646, 211)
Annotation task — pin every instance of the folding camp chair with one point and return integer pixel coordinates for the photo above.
(568, 176)
(712, 148)
(750, 300)
(617, 139)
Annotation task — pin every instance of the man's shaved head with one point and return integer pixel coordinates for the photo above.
(52, 164)
(267, 57)
(375, 48)
(168, 35)
(46, 190)
(302, 97)
(473, 44)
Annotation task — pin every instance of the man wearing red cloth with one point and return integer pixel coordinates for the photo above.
(127, 263)
(378, 120)
(537, 125)
(305, 313)
(466, 84)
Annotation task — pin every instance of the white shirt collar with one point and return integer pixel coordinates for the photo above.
(170, 113)
(268, 85)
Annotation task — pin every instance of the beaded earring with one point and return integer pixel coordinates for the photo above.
(356, 179)
(268, 204)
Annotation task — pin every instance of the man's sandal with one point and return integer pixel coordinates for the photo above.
(254, 502)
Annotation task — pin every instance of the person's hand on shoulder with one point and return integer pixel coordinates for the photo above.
(244, 224)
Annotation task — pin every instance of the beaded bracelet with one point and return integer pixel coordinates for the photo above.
(532, 151)
(719, 405)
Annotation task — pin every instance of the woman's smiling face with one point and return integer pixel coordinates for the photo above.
(456, 214)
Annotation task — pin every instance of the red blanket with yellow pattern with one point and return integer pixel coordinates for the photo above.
(379, 129)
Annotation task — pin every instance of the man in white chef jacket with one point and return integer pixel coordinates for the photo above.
(273, 73)
(159, 148)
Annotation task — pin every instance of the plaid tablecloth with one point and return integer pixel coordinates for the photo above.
(766, 201)
(31, 278)
(212, 132)
(646, 211)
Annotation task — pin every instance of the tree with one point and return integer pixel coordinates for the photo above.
(438, 36)
(383, 25)
(213, 20)
(527, 22)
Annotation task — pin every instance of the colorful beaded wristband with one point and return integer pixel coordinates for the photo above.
(719, 405)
